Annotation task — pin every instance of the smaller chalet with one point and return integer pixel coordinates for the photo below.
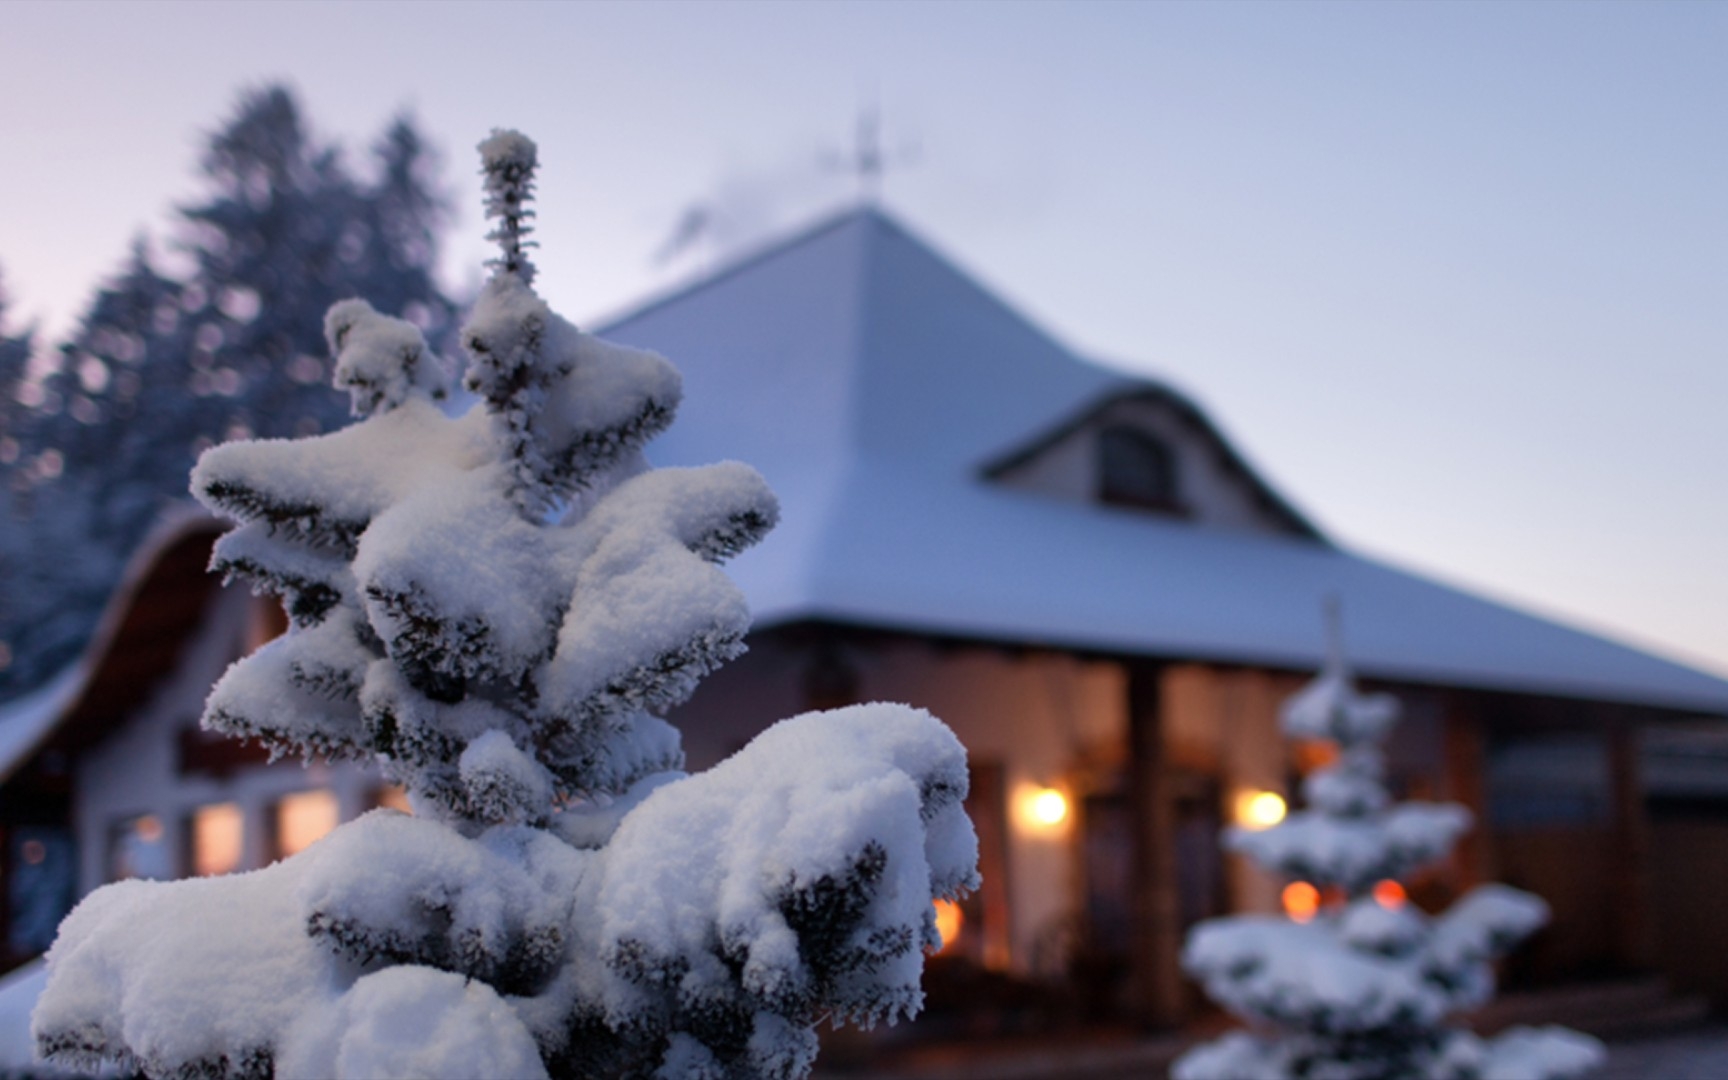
(105, 773)
(1074, 568)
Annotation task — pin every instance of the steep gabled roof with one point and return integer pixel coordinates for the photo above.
(859, 340)
(873, 383)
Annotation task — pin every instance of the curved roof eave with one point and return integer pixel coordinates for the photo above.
(29, 724)
(966, 560)
(1064, 422)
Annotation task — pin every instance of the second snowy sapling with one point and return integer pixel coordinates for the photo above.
(496, 607)
(1367, 988)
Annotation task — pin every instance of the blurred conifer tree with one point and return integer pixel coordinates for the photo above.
(160, 366)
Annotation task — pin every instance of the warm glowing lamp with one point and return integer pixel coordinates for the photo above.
(949, 920)
(1040, 810)
(1301, 900)
(1047, 807)
(1260, 809)
(1390, 894)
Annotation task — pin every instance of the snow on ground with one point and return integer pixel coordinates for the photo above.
(18, 993)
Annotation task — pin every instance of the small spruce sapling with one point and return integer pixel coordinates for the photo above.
(495, 607)
(1365, 990)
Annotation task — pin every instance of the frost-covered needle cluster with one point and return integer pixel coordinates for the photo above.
(1366, 989)
(495, 607)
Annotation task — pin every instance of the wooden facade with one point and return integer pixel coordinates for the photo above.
(1103, 902)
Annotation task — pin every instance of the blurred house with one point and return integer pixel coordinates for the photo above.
(1073, 567)
(105, 774)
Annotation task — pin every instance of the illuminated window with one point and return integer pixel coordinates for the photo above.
(304, 818)
(138, 848)
(216, 835)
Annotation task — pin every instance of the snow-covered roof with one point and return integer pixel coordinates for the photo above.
(26, 722)
(873, 384)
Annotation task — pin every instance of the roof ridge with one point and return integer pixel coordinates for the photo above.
(758, 253)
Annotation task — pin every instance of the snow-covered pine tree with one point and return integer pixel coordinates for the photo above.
(494, 606)
(1365, 990)
(89, 473)
(15, 350)
(159, 368)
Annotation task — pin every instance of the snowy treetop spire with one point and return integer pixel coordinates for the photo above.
(507, 161)
(567, 406)
(1349, 837)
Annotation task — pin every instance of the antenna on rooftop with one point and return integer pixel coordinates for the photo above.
(867, 160)
(1333, 606)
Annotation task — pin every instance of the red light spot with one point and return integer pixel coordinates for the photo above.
(1390, 894)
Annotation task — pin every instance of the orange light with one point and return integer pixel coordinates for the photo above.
(395, 796)
(1390, 894)
(1040, 810)
(303, 818)
(1048, 807)
(1260, 809)
(1301, 900)
(1311, 755)
(217, 832)
(949, 920)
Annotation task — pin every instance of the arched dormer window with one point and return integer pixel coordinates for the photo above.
(1137, 469)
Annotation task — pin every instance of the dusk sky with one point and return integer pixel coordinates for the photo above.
(1454, 275)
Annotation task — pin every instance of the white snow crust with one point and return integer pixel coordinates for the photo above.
(380, 361)
(414, 1021)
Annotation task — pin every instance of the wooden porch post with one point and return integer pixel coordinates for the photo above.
(1156, 934)
(1635, 944)
(1466, 782)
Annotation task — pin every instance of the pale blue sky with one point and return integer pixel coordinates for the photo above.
(1455, 274)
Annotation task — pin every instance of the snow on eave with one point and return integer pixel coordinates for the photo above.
(1139, 387)
(960, 630)
(1144, 588)
(27, 724)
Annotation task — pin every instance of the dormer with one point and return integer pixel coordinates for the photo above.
(1147, 450)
